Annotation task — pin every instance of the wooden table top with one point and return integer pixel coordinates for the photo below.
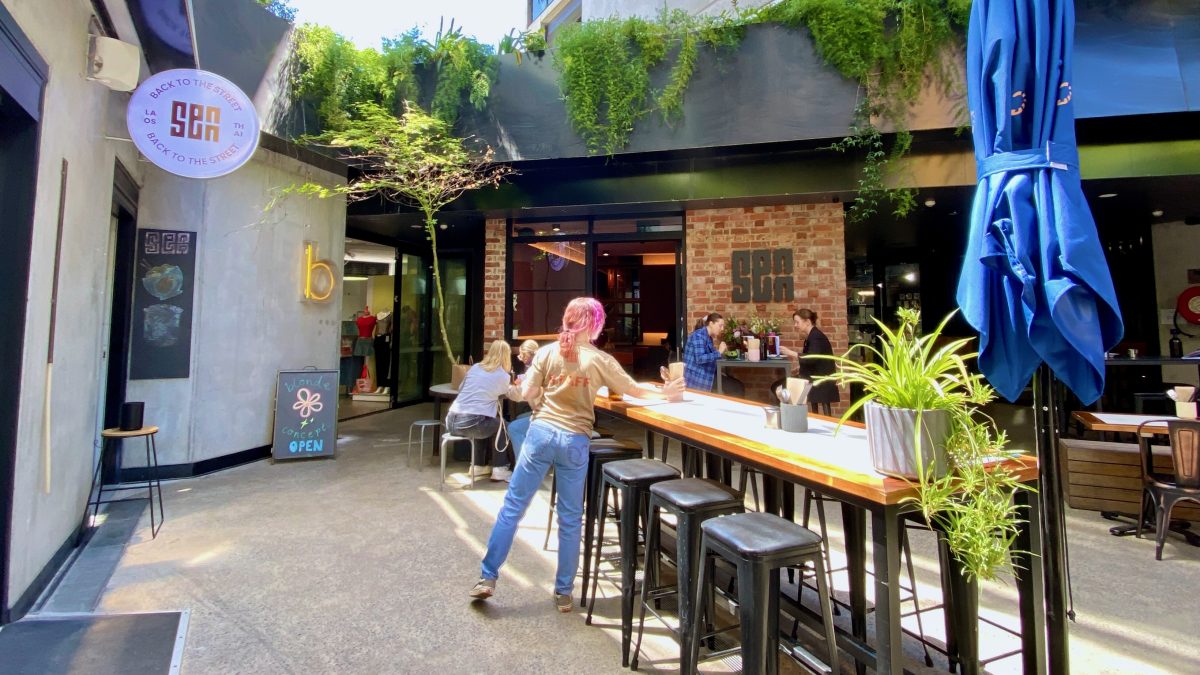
(118, 433)
(840, 461)
(1119, 422)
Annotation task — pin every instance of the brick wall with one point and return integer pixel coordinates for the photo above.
(814, 232)
(493, 279)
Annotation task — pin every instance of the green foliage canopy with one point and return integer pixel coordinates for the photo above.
(414, 159)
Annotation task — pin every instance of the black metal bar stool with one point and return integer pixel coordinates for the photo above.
(758, 545)
(631, 479)
(692, 501)
(600, 452)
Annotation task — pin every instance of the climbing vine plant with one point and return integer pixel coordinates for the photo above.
(605, 65)
(888, 46)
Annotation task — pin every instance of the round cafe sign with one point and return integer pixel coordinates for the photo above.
(192, 123)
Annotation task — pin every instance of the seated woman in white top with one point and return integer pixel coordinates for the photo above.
(475, 414)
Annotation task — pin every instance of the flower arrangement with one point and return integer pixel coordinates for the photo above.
(763, 325)
(735, 331)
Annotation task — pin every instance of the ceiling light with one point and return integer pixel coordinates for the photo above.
(1157, 213)
(1108, 195)
(353, 278)
(605, 254)
(911, 276)
(556, 228)
(931, 202)
(416, 227)
(444, 226)
(954, 213)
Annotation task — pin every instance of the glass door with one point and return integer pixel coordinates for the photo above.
(411, 326)
(454, 289)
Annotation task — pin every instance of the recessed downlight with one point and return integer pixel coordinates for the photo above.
(931, 202)
(1108, 195)
(1157, 213)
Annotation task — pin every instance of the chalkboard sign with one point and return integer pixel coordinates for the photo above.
(161, 345)
(305, 414)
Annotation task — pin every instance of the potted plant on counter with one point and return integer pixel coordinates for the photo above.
(913, 393)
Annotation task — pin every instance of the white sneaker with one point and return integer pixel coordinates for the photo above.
(501, 473)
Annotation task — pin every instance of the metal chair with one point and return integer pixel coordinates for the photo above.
(447, 440)
(1161, 490)
(422, 425)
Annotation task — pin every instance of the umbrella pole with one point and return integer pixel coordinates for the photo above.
(1052, 520)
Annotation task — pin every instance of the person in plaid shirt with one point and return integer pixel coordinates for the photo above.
(699, 355)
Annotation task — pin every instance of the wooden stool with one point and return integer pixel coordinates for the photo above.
(152, 480)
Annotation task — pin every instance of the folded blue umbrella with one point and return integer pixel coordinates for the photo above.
(1035, 282)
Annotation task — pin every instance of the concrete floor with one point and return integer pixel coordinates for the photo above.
(361, 565)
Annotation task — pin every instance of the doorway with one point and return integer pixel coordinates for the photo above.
(114, 354)
(633, 265)
(637, 281)
(18, 186)
(368, 343)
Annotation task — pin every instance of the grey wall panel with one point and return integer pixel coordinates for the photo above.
(237, 39)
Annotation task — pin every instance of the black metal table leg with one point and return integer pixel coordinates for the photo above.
(162, 515)
(885, 544)
(150, 488)
(1181, 527)
(854, 523)
(1027, 566)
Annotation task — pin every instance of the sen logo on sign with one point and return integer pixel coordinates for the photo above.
(763, 276)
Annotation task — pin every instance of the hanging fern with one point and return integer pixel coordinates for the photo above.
(336, 75)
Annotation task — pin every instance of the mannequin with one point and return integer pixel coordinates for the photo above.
(364, 346)
(383, 351)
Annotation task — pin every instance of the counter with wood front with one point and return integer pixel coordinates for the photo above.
(837, 464)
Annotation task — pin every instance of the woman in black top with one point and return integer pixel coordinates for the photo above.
(815, 342)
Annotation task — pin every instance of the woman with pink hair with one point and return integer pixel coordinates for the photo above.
(565, 376)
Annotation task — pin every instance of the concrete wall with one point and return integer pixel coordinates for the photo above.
(58, 431)
(1176, 250)
(249, 318)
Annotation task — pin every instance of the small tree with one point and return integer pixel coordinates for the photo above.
(413, 160)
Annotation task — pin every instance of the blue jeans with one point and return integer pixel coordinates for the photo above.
(517, 429)
(545, 445)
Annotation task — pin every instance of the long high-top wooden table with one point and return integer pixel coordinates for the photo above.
(839, 467)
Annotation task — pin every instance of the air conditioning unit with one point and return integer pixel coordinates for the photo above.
(113, 63)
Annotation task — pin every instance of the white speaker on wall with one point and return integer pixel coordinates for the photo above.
(113, 63)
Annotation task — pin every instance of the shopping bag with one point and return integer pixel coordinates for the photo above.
(363, 384)
(457, 374)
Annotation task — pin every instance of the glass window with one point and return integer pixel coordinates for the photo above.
(545, 277)
(627, 225)
(549, 229)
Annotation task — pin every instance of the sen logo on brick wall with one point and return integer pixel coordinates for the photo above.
(192, 123)
(763, 276)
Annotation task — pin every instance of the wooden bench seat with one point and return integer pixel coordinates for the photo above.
(1105, 476)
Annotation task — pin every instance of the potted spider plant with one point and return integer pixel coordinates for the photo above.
(912, 390)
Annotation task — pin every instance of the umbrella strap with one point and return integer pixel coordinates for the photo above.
(1053, 155)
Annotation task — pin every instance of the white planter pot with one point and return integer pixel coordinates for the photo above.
(891, 440)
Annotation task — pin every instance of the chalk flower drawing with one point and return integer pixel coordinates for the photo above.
(307, 402)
